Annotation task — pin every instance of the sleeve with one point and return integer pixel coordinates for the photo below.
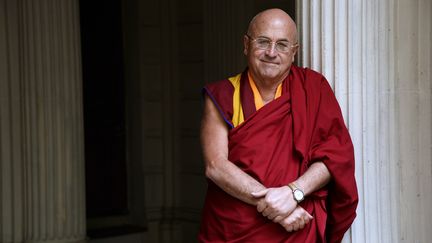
(331, 144)
(221, 94)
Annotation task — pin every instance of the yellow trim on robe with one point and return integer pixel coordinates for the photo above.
(238, 116)
(278, 91)
(259, 103)
(257, 96)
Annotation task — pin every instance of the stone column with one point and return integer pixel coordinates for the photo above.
(377, 57)
(412, 60)
(41, 124)
(11, 158)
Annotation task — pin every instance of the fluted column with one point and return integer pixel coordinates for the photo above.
(377, 57)
(11, 159)
(42, 163)
(413, 84)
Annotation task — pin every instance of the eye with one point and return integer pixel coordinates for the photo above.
(262, 42)
(283, 44)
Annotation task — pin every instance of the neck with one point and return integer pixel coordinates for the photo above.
(267, 88)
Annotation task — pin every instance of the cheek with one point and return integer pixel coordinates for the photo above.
(254, 57)
(257, 53)
(287, 60)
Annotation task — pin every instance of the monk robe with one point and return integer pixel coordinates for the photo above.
(275, 145)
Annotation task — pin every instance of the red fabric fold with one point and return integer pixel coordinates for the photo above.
(320, 134)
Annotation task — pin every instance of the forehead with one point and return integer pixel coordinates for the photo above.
(271, 28)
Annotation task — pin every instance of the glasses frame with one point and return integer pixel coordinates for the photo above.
(273, 42)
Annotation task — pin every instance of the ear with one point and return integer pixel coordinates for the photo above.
(245, 45)
(294, 52)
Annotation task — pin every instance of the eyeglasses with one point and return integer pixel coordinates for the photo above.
(266, 44)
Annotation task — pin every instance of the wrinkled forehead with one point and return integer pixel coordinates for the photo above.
(273, 29)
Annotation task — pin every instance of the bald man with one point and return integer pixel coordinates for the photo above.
(278, 156)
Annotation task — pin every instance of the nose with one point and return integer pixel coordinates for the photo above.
(271, 50)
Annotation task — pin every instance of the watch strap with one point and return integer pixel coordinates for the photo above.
(292, 186)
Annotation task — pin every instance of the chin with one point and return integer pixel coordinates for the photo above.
(270, 75)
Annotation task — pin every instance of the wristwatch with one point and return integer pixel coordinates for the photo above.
(297, 192)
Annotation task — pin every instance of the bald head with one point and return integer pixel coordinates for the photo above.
(273, 18)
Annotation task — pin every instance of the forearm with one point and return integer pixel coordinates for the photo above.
(233, 180)
(225, 174)
(316, 177)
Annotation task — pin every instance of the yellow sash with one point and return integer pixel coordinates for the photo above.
(238, 116)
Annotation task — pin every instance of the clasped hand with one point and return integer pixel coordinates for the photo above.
(278, 205)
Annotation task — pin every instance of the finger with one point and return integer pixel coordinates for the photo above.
(306, 220)
(301, 223)
(296, 226)
(307, 217)
(273, 215)
(277, 219)
(267, 211)
(261, 206)
(307, 214)
(289, 228)
(259, 193)
(301, 226)
(288, 220)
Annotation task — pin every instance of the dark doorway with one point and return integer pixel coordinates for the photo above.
(104, 108)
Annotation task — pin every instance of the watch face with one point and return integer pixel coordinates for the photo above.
(298, 195)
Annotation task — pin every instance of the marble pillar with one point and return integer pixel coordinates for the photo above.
(42, 194)
(377, 57)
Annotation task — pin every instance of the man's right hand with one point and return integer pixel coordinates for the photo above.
(297, 220)
(278, 201)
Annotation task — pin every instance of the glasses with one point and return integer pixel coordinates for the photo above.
(266, 44)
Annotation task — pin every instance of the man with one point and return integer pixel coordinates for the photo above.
(278, 155)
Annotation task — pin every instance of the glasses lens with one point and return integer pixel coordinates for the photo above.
(282, 46)
(263, 43)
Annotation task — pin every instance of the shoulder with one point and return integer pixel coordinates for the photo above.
(221, 86)
(221, 94)
(222, 91)
(307, 76)
(312, 82)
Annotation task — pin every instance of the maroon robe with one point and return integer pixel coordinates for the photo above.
(275, 145)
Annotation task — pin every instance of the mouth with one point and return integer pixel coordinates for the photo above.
(269, 62)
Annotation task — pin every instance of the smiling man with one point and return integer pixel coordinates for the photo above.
(278, 155)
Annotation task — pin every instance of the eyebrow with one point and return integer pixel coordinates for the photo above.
(265, 37)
